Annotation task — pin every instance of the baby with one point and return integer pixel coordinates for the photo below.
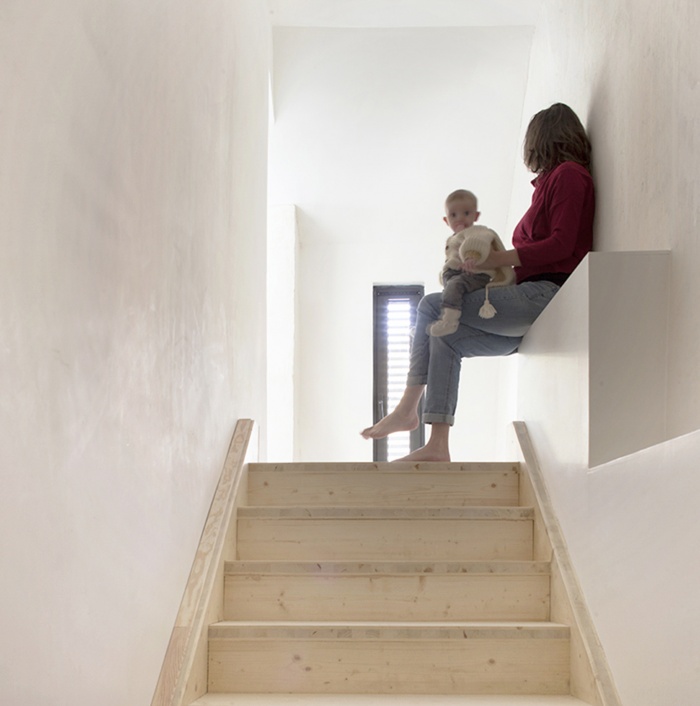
(466, 242)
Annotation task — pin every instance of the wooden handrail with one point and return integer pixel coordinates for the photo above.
(183, 674)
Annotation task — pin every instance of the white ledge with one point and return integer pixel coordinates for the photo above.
(591, 379)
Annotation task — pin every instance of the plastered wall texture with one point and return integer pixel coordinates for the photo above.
(132, 221)
(630, 68)
(132, 214)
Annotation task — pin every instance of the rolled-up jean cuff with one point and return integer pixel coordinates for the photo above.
(413, 380)
(434, 418)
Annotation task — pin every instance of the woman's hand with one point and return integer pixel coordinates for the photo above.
(495, 259)
(471, 266)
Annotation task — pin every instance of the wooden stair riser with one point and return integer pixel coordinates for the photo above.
(396, 560)
(384, 488)
(401, 597)
(384, 539)
(487, 664)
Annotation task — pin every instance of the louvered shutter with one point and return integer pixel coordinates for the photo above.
(394, 319)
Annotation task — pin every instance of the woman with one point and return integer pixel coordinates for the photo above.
(552, 238)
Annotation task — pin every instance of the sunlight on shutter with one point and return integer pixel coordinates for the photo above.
(398, 337)
(394, 318)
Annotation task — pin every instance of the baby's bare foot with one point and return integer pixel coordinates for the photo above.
(393, 422)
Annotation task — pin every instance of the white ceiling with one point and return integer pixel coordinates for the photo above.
(403, 13)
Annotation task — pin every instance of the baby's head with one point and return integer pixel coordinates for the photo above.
(460, 210)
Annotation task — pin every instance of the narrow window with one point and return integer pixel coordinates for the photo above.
(394, 319)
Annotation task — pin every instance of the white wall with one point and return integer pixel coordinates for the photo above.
(630, 523)
(638, 561)
(132, 219)
(373, 128)
(630, 69)
(413, 13)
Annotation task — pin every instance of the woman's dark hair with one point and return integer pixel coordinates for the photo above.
(555, 135)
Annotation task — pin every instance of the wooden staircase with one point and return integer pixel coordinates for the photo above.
(404, 579)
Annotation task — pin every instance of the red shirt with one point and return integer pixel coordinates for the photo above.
(556, 233)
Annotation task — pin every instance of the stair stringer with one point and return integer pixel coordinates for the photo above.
(591, 678)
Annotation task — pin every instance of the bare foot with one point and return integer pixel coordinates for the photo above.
(427, 454)
(394, 421)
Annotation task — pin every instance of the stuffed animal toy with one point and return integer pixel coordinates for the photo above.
(474, 243)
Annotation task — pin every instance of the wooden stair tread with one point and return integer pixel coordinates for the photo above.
(383, 513)
(383, 700)
(393, 467)
(378, 630)
(387, 568)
